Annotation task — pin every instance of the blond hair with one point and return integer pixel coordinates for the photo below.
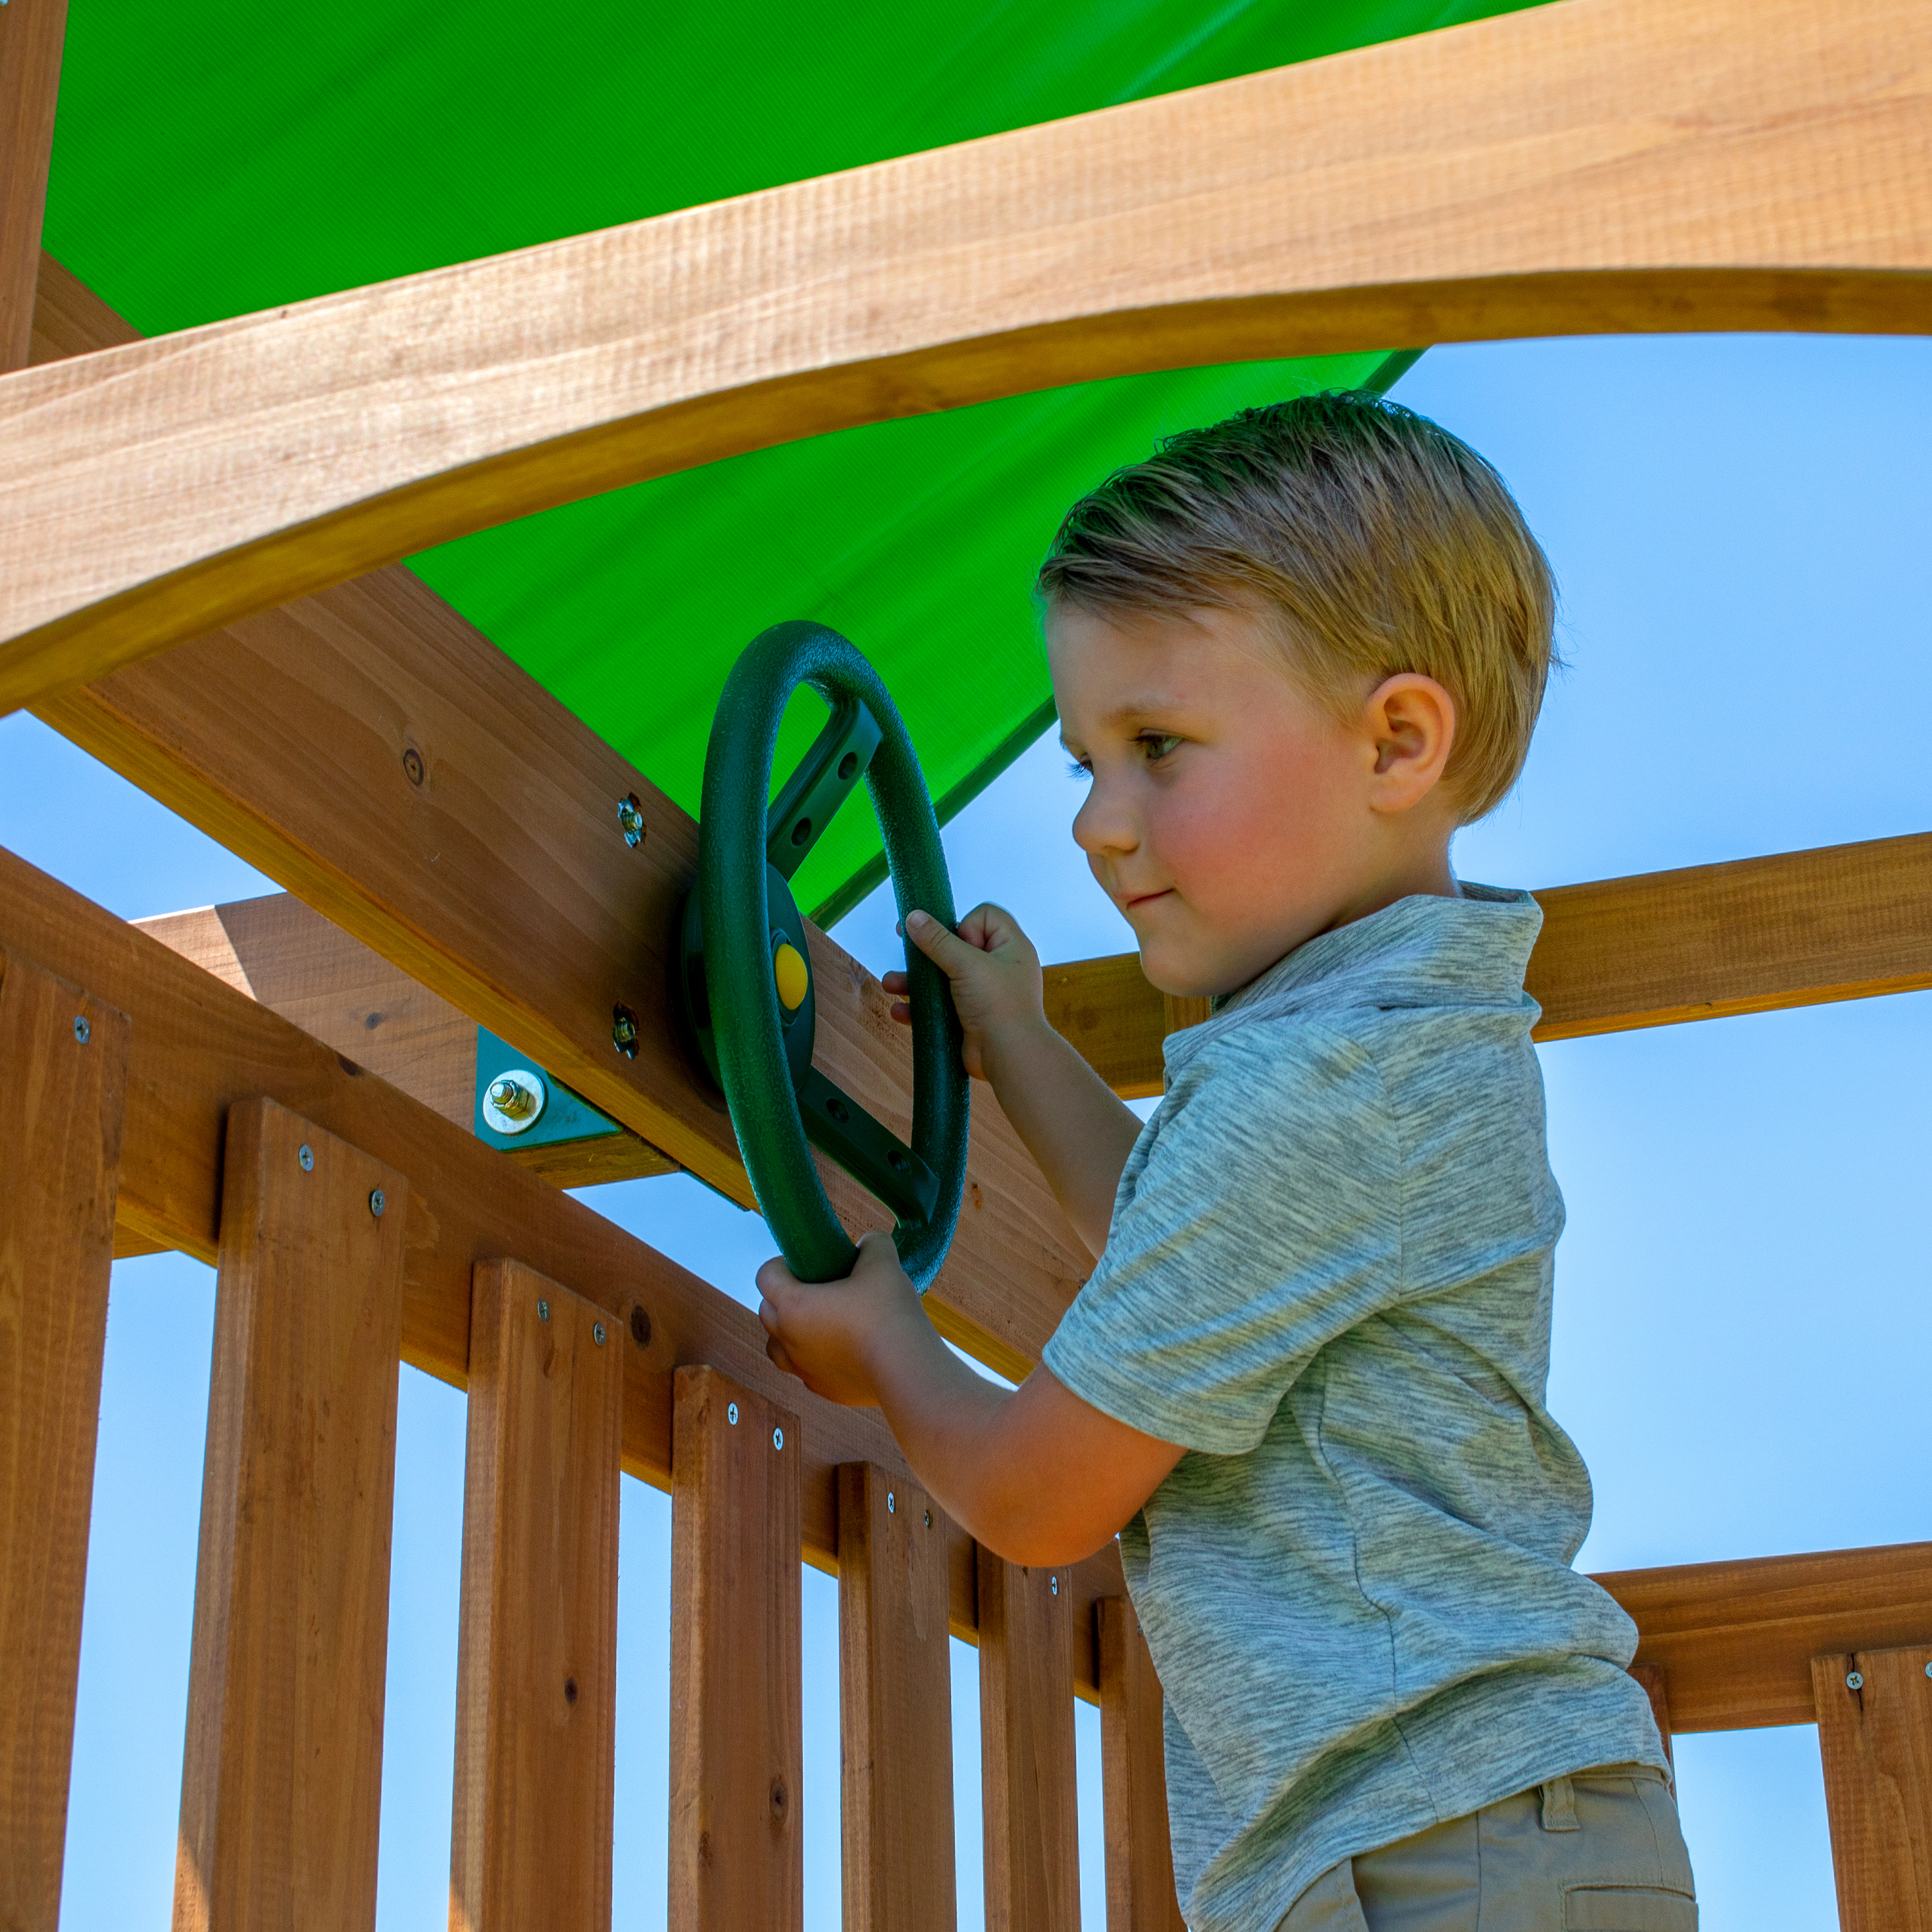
(1382, 542)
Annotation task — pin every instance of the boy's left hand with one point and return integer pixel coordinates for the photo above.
(831, 1334)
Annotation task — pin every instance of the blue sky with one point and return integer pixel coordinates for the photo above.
(1738, 525)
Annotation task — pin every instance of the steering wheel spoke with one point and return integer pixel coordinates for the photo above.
(838, 759)
(868, 1150)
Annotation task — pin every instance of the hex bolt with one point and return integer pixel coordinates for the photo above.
(377, 1203)
(1854, 1680)
(512, 1097)
(777, 1438)
(306, 1155)
(631, 817)
(82, 1030)
(543, 1309)
(624, 1031)
(597, 1333)
(891, 1507)
(1053, 1584)
(731, 1414)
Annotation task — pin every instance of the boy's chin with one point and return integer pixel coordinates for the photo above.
(1177, 971)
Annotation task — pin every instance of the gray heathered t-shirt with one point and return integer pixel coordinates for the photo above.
(1329, 1277)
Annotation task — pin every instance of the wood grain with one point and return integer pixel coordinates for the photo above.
(894, 1707)
(32, 34)
(1028, 1809)
(197, 1046)
(536, 1686)
(1876, 1739)
(60, 1156)
(282, 1782)
(1601, 167)
(1140, 1859)
(1735, 1640)
(736, 1769)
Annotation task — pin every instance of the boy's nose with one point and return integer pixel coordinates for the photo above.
(1101, 827)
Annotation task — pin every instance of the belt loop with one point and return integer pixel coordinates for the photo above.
(1559, 1805)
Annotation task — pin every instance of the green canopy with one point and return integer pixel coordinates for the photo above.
(212, 158)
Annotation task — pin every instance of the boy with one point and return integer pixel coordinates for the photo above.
(1305, 1383)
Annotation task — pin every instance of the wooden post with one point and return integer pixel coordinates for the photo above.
(537, 1668)
(1026, 1746)
(896, 1707)
(1651, 1676)
(1875, 1733)
(32, 33)
(1140, 1860)
(63, 1059)
(282, 1778)
(736, 1855)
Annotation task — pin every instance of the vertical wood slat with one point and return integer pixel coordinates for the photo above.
(282, 1775)
(60, 1156)
(537, 1666)
(1026, 1747)
(896, 1707)
(1876, 1738)
(1651, 1676)
(1140, 1859)
(32, 33)
(736, 1853)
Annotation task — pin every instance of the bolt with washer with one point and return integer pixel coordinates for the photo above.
(82, 1031)
(514, 1100)
(306, 1155)
(631, 819)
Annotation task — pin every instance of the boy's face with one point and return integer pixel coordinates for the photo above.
(1231, 816)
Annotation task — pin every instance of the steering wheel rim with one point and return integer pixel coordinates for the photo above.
(780, 1105)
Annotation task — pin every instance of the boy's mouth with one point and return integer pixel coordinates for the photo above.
(1134, 899)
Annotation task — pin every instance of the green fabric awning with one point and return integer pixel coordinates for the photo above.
(211, 159)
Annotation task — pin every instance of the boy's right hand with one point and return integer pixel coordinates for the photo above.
(995, 975)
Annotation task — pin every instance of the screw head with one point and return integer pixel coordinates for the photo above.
(624, 1031)
(928, 1519)
(731, 1414)
(306, 1155)
(1053, 1584)
(377, 1203)
(597, 1333)
(82, 1030)
(631, 817)
(891, 1505)
(1928, 1669)
(543, 1309)
(777, 1438)
(1854, 1680)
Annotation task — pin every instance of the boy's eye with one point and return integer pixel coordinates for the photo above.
(1156, 746)
(1079, 768)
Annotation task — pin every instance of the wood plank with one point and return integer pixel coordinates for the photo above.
(1875, 1734)
(1605, 165)
(1028, 1807)
(1735, 1640)
(60, 1157)
(32, 34)
(894, 1707)
(1656, 1688)
(536, 1695)
(1140, 1859)
(737, 1849)
(281, 1785)
(197, 1046)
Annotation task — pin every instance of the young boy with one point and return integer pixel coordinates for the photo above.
(1305, 1384)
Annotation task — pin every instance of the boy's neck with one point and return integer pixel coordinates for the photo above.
(1425, 872)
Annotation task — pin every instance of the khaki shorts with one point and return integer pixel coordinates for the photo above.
(1599, 1851)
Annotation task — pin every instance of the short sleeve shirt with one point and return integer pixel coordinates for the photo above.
(1329, 1278)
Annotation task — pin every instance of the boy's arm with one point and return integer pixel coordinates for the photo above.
(1072, 1123)
(1035, 1474)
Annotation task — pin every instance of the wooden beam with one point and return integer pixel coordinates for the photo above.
(1875, 1734)
(894, 1707)
(1605, 166)
(737, 1852)
(32, 33)
(1734, 1641)
(1028, 1808)
(65, 1053)
(1657, 1690)
(1756, 935)
(536, 1685)
(197, 1047)
(281, 1786)
(1140, 1857)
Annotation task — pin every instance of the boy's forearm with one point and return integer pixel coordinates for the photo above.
(1073, 1124)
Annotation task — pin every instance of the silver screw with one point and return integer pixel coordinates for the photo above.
(1053, 1584)
(891, 1506)
(928, 1519)
(777, 1438)
(1854, 1680)
(731, 1414)
(632, 820)
(543, 1309)
(1928, 1670)
(306, 1155)
(597, 1333)
(377, 1203)
(81, 1028)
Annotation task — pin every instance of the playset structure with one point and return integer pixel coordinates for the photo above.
(201, 514)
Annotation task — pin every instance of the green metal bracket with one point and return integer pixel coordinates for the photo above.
(561, 1116)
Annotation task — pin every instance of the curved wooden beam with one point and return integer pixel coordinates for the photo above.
(1593, 165)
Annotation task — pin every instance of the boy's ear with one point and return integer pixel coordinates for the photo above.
(1410, 721)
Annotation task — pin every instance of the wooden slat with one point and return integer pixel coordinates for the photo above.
(1604, 166)
(282, 1782)
(1028, 1807)
(1875, 1735)
(1735, 1640)
(536, 1690)
(60, 1154)
(32, 33)
(894, 1707)
(1116, 1019)
(1656, 1688)
(1140, 1859)
(737, 1847)
(197, 1046)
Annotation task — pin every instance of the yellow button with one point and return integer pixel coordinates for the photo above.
(793, 977)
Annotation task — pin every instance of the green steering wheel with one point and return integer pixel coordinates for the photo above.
(745, 977)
